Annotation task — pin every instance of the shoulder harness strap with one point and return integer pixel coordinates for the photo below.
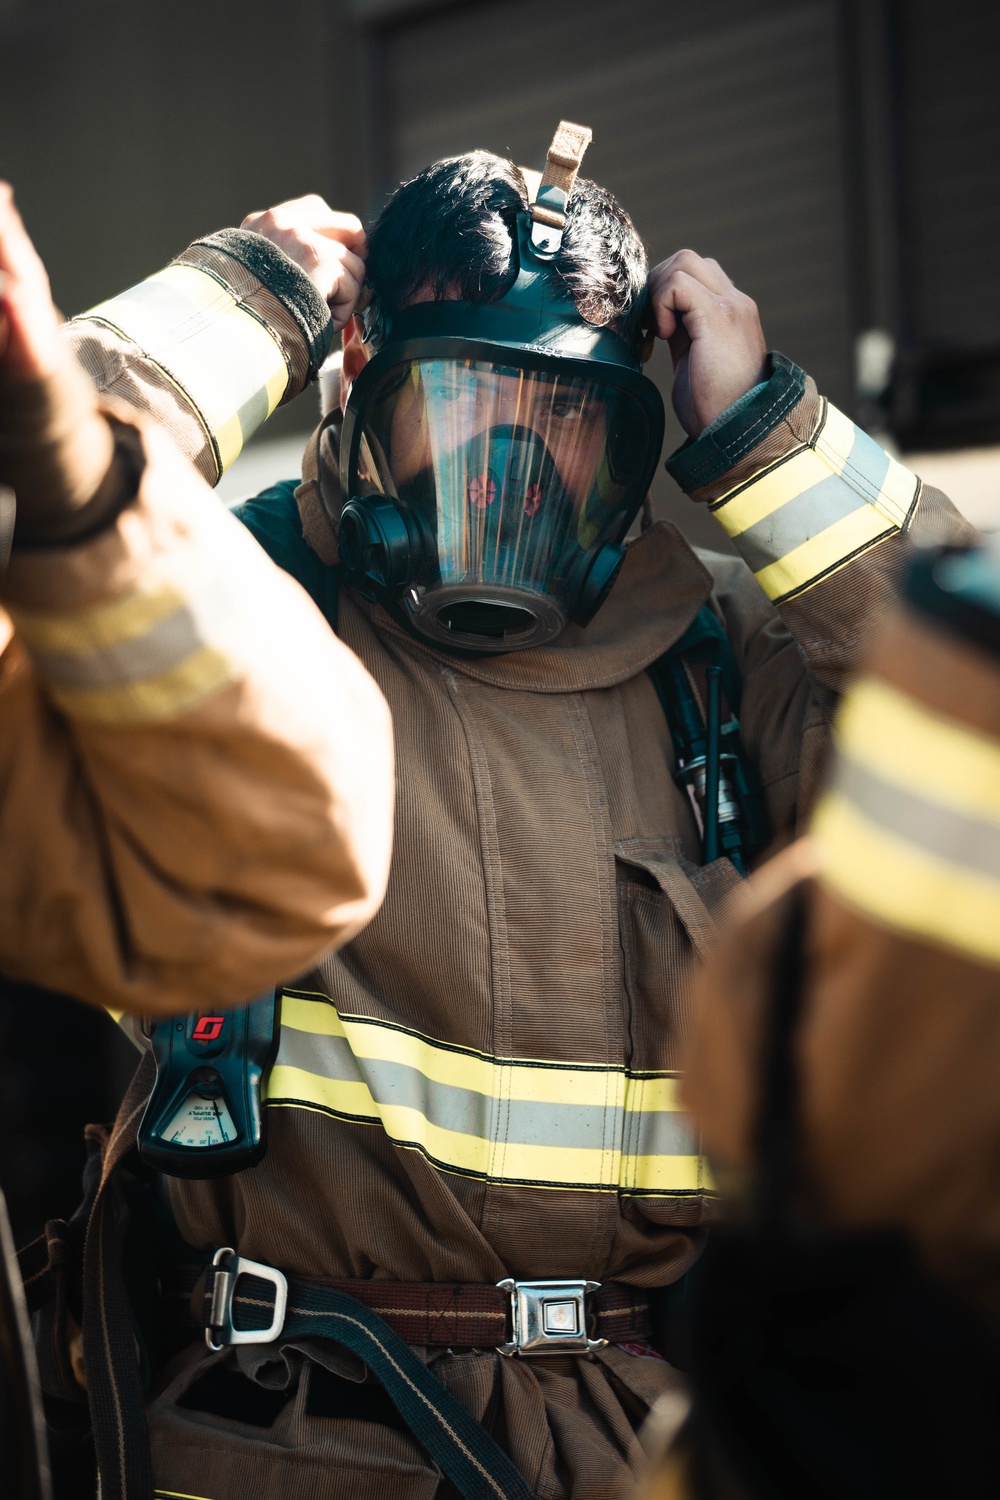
(698, 684)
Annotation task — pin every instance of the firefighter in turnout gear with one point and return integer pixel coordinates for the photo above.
(478, 1157)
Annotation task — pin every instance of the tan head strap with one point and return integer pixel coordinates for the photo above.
(550, 193)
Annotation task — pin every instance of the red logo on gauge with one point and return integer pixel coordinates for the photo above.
(208, 1029)
(533, 498)
(482, 490)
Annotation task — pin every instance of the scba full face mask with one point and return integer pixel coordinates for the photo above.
(495, 455)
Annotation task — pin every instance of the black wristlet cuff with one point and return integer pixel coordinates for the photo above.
(704, 459)
(284, 280)
(117, 490)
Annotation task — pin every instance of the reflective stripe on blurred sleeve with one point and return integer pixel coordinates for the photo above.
(226, 360)
(909, 831)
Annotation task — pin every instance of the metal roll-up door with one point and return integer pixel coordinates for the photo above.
(718, 126)
(948, 124)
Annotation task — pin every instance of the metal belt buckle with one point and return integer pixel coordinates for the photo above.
(220, 1332)
(549, 1317)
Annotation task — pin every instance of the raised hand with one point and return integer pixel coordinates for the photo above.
(329, 246)
(713, 329)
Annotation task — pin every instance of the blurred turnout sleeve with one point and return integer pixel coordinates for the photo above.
(823, 519)
(210, 345)
(901, 877)
(195, 775)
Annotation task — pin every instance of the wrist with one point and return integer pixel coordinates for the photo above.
(68, 467)
(734, 432)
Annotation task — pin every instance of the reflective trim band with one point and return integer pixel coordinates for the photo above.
(147, 656)
(909, 831)
(526, 1121)
(800, 520)
(222, 357)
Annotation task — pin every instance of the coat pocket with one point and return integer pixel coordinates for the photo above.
(665, 925)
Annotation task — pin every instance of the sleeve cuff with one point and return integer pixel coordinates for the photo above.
(702, 460)
(285, 281)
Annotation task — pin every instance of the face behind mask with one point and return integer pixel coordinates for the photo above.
(494, 457)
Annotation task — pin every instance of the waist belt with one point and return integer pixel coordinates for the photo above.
(246, 1302)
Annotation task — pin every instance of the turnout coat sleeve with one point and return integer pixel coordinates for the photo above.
(187, 816)
(899, 877)
(823, 519)
(210, 345)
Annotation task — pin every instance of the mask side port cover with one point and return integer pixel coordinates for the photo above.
(204, 1117)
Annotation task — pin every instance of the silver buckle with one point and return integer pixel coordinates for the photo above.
(549, 1317)
(220, 1332)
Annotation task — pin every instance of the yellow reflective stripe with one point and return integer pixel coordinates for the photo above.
(784, 482)
(814, 510)
(79, 632)
(822, 554)
(454, 1150)
(949, 763)
(154, 698)
(520, 1078)
(149, 655)
(668, 1174)
(475, 1156)
(226, 362)
(904, 886)
(524, 1120)
(836, 440)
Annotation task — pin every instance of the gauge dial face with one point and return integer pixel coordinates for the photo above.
(201, 1122)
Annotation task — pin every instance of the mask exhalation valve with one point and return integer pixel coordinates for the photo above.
(380, 547)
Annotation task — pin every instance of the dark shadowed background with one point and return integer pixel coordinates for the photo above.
(841, 158)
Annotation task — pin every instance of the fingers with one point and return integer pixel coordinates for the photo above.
(689, 288)
(18, 256)
(329, 246)
(309, 213)
(713, 329)
(28, 320)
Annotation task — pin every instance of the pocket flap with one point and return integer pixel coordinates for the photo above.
(686, 886)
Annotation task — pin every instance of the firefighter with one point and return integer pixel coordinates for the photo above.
(476, 1140)
(843, 1071)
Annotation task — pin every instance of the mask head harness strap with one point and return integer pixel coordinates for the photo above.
(539, 238)
(552, 191)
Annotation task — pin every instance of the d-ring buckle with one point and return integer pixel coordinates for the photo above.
(220, 1332)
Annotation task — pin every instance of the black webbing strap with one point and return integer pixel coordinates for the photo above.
(460, 1446)
(111, 1356)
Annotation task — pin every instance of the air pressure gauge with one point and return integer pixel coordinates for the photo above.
(204, 1115)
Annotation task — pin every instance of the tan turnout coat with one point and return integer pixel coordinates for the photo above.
(484, 1081)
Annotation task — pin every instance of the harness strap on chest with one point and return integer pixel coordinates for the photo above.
(698, 684)
(682, 677)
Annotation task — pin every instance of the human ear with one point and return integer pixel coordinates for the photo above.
(356, 356)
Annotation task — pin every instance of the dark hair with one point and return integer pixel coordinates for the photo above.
(453, 225)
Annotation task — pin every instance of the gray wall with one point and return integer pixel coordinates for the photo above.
(840, 157)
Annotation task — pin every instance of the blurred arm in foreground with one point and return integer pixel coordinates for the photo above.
(843, 1070)
(185, 818)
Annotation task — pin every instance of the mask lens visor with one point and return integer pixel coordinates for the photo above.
(514, 475)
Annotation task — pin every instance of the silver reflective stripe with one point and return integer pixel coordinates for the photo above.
(167, 643)
(527, 1121)
(944, 831)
